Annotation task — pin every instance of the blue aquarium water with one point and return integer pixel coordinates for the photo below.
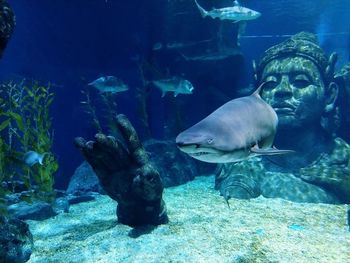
(83, 41)
(69, 67)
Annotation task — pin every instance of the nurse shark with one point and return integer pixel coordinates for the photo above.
(239, 129)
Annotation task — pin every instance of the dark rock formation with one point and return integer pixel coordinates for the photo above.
(37, 210)
(72, 200)
(175, 167)
(7, 24)
(84, 180)
(16, 241)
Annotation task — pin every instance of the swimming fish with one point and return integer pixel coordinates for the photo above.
(235, 13)
(214, 56)
(31, 157)
(109, 84)
(239, 129)
(178, 45)
(175, 84)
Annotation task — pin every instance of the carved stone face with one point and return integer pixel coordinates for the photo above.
(295, 89)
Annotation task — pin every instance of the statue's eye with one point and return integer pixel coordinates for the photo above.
(301, 81)
(270, 83)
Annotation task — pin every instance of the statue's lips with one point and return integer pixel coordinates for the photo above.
(284, 110)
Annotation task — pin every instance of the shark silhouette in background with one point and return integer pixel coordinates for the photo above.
(234, 13)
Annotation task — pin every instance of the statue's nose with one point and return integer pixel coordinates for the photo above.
(284, 88)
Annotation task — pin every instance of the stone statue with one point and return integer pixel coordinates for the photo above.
(298, 82)
(343, 79)
(125, 173)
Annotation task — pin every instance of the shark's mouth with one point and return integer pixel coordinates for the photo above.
(199, 153)
(209, 157)
(204, 154)
(213, 155)
(196, 149)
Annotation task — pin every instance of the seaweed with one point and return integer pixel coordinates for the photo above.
(25, 124)
(90, 110)
(107, 108)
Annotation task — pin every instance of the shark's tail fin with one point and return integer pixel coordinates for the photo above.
(203, 12)
(41, 157)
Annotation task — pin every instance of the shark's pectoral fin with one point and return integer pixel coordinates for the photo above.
(269, 151)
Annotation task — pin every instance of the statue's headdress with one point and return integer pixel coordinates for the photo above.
(305, 45)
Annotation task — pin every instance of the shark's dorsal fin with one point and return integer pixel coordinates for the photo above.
(256, 93)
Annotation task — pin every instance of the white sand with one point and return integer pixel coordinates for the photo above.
(202, 229)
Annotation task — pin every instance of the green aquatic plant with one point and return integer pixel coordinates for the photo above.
(90, 110)
(107, 107)
(142, 98)
(7, 169)
(25, 125)
(110, 111)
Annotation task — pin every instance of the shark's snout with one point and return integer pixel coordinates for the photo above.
(182, 140)
(198, 145)
(183, 144)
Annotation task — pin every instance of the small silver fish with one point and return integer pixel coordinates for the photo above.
(179, 45)
(32, 157)
(213, 56)
(235, 13)
(109, 84)
(157, 46)
(175, 84)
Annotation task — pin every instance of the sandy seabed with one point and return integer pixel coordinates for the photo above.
(202, 228)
